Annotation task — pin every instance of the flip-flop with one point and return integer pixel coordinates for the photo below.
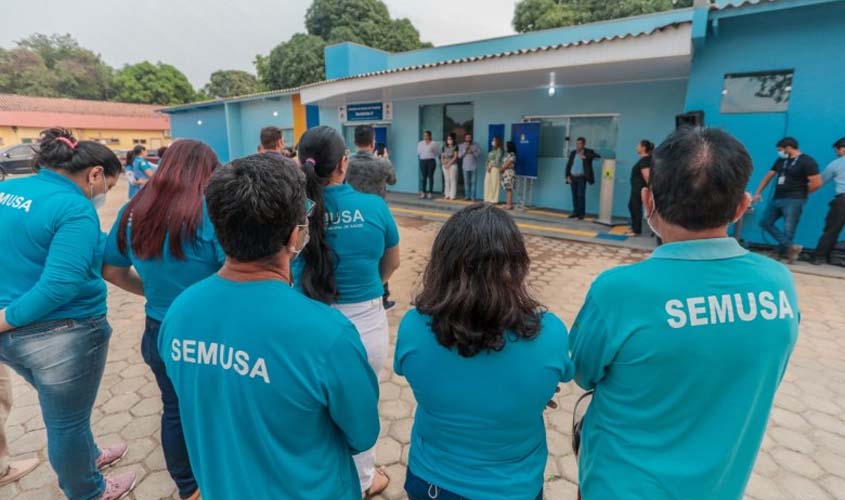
(370, 493)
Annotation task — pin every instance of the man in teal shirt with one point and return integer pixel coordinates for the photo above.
(686, 349)
(835, 220)
(274, 388)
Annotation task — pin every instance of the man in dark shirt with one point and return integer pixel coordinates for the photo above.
(797, 175)
(368, 173)
(579, 173)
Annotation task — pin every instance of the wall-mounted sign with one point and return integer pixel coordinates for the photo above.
(367, 112)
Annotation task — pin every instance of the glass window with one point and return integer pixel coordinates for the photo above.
(553, 138)
(287, 135)
(757, 92)
(558, 135)
(20, 152)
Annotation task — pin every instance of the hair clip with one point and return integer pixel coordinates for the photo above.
(67, 141)
(311, 162)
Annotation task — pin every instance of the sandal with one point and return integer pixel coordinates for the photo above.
(371, 492)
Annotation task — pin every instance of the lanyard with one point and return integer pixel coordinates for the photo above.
(787, 166)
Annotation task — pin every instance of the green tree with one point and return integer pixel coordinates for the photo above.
(298, 61)
(228, 83)
(24, 72)
(367, 22)
(532, 15)
(73, 70)
(153, 84)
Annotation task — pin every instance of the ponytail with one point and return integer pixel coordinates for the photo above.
(320, 150)
(58, 149)
(647, 145)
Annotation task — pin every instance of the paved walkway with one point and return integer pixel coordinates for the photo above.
(803, 455)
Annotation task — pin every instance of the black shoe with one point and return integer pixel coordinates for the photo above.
(389, 304)
(573, 216)
(580, 217)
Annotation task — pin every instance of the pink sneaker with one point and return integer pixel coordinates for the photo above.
(111, 455)
(119, 486)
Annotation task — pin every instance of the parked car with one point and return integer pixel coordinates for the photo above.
(16, 159)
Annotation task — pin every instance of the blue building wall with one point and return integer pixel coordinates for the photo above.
(646, 111)
(212, 131)
(348, 58)
(232, 129)
(807, 39)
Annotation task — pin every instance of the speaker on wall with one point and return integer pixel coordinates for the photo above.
(690, 119)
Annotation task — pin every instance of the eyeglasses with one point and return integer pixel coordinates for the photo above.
(309, 207)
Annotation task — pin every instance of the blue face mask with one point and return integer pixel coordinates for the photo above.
(782, 154)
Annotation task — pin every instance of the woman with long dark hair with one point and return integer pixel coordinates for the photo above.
(354, 249)
(53, 303)
(483, 359)
(140, 168)
(639, 180)
(165, 233)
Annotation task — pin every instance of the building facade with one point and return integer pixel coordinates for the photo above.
(760, 69)
(119, 126)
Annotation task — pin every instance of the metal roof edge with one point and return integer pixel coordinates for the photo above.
(224, 100)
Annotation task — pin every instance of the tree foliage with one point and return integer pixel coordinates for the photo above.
(228, 83)
(153, 83)
(532, 15)
(300, 60)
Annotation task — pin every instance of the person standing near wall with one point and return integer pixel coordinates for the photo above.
(797, 177)
(492, 177)
(509, 174)
(354, 249)
(449, 163)
(469, 153)
(427, 151)
(579, 173)
(55, 333)
(142, 170)
(639, 180)
(272, 141)
(371, 174)
(835, 220)
(686, 349)
(169, 257)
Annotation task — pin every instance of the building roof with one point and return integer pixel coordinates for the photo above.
(223, 100)
(27, 111)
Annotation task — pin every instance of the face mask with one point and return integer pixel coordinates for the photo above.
(99, 199)
(305, 241)
(493, 145)
(782, 154)
(650, 225)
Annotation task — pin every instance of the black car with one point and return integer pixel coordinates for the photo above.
(16, 159)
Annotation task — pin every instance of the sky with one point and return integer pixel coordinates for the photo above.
(201, 36)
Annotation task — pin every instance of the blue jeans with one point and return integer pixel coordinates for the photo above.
(579, 195)
(469, 184)
(172, 438)
(420, 489)
(64, 362)
(789, 209)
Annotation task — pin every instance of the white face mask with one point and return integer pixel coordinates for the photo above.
(782, 154)
(297, 252)
(99, 199)
(648, 218)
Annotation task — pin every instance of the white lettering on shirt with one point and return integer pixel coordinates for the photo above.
(214, 354)
(728, 308)
(16, 202)
(345, 217)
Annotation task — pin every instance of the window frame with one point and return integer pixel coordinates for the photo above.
(750, 74)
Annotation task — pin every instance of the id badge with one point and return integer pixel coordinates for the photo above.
(781, 180)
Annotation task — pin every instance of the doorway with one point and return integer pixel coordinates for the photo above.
(443, 120)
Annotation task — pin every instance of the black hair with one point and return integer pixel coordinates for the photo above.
(320, 151)
(270, 137)
(510, 147)
(788, 142)
(255, 203)
(427, 132)
(582, 140)
(134, 152)
(698, 177)
(59, 150)
(474, 286)
(839, 144)
(647, 145)
(364, 135)
(160, 152)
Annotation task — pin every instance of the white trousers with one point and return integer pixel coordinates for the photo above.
(450, 180)
(370, 320)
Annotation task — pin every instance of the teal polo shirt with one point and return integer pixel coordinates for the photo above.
(685, 351)
(478, 429)
(359, 228)
(52, 251)
(275, 391)
(166, 277)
